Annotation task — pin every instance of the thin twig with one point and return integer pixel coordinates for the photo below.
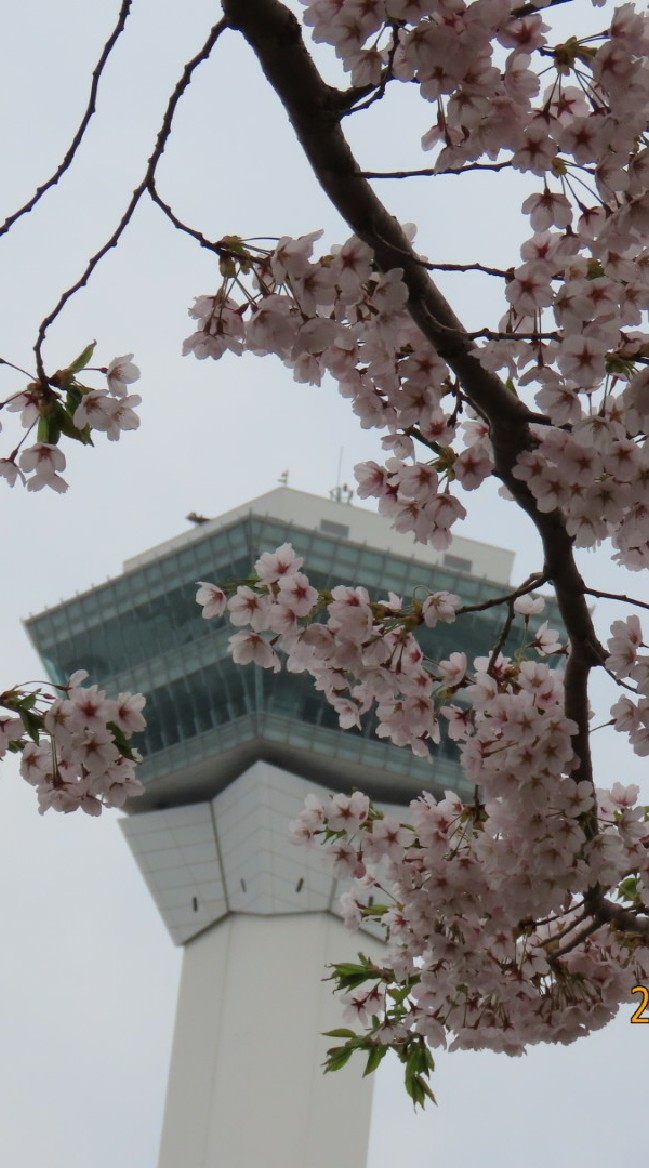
(529, 9)
(143, 185)
(386, 76)
(11, 365)
(504, 274)
(432, 173)
(83, 124)
(534, 581)
(167, 210)
(500, 643)
(490, 335)
(616, 596)
(618, 681)
(582, 935)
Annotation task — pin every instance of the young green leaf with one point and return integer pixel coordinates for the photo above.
(82, 360)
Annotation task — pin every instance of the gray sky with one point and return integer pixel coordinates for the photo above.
(88, 976)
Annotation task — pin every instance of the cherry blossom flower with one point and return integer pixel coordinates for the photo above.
(528, 605)
(250, 648)
(121, 372)
(45, 460)
(212, 600)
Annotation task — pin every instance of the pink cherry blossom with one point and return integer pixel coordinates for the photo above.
(121, 372)
(212, 600)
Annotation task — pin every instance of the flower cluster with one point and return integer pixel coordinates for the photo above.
(487, 907)
(490, 906)
(479, 65)
(337, 315)
(625, 660)
(75, 749)
(364, 655)
(357, 328)
(574, 330)
(62, 406)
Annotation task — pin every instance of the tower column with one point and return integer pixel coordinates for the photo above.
(246, 1087)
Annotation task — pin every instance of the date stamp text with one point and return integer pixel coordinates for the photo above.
(640, 1013)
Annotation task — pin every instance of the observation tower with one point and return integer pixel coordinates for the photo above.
(230, 753)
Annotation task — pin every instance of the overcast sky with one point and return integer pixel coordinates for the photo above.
(88, 976)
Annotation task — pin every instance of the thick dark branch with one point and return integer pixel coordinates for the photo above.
(83, 124)
(156, 155)
(624, 919)
(275, 36)
(576, 679)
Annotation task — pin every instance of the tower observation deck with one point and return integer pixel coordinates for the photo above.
(230, 752)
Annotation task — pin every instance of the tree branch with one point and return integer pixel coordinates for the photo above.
(168, 211)
(432, 173)
(488, 271)
(378, 91)
(504, 633)
(616, 596)
(534, 581)
(143, 185)
(275, 37)
(623, 919)
(83, 125)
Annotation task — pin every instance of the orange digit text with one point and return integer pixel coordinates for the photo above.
(639, 1014)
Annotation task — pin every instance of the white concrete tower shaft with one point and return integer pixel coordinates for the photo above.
(256, 917)
(246, 1085)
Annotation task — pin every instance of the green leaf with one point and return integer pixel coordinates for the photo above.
(374, 1059)
(67, 427)
(621, 365)
(73, 398)
(337, 1057)
(594, 270)
(33, 724)
(341, 1033)
(398, 993)
(629, 889)
(48, 430)
(348, 976)
(121, 742)
(419, 1063)
(418, 1090)
(82, 360)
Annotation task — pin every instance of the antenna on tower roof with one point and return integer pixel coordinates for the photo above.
(283, 478)
(341, 493)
